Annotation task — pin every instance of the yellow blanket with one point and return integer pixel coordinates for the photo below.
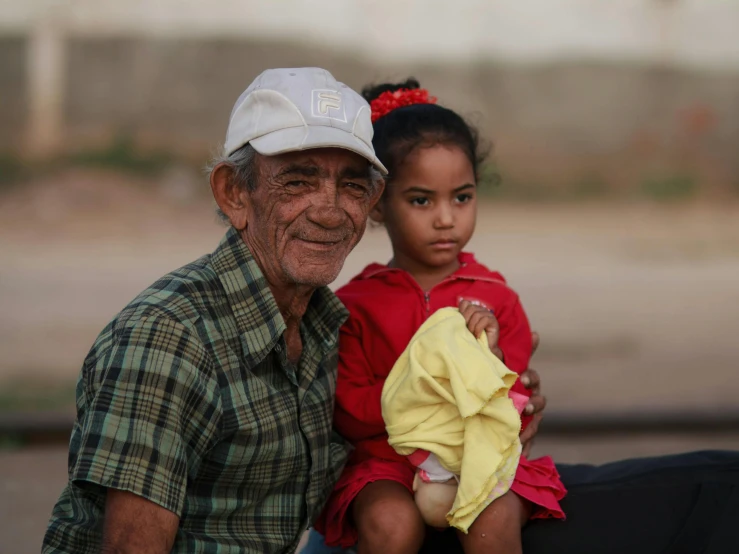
(448, 394)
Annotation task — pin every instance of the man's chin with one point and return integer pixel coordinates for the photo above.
(315, 268)
(314, 275)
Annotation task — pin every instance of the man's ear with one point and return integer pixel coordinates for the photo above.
(377, 214)
(231, 196)
(376, 211)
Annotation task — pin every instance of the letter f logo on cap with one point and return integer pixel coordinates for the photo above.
(327, 103)
(327, 100)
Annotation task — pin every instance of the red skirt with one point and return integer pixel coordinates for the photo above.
(536, 480)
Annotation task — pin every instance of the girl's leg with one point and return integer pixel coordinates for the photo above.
(387, 519)
(497, 530)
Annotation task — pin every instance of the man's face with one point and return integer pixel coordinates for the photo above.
(307, 212)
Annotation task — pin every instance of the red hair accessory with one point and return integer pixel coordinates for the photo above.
(393, 99)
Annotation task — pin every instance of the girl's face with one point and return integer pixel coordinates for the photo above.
(429, 209)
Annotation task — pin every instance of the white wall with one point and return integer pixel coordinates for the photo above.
(684, 32)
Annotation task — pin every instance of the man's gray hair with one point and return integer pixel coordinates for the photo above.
(244, 167)
(376, 177)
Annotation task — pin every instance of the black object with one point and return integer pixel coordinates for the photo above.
(680, 504)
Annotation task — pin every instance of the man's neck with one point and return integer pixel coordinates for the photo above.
(292, 303)
(292, 300)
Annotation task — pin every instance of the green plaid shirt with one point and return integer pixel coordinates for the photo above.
(187, 398)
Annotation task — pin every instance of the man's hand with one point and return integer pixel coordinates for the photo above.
(137, 526)
(481, 319)
(530, 379)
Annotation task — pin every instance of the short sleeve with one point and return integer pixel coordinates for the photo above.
(151, 411)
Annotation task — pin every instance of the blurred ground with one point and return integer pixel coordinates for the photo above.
(637, 305)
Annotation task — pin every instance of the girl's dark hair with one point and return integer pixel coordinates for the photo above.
(401, 131)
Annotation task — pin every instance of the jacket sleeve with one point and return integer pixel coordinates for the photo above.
(515, 334)
(358, 413)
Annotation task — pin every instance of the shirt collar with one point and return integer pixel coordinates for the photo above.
(258, 320)
(323, 317)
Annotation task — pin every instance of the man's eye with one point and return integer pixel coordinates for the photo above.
(420, 201)
(295, 184)
(357, 186)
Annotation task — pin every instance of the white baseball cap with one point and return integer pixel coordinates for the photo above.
(285, 110)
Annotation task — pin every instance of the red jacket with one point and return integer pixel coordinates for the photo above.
(386, 308)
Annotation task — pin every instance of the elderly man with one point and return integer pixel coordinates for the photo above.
(205, 406)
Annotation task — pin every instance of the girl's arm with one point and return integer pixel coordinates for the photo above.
(358, 413)
(515, 335)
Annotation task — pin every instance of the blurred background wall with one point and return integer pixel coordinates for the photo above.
(625, 95)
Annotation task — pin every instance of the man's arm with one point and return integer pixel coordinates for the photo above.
(537, 402)
(134, 525)
(152, 413)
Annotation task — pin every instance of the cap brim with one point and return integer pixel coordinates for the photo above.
(307, 138)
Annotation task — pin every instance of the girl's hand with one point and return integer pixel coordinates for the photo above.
(481, 319)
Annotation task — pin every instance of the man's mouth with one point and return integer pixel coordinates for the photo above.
(321, 244)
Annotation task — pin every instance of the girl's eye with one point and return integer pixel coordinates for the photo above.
(464, 198)
(420, 201)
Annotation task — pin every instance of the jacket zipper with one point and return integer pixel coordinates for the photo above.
(427, 294)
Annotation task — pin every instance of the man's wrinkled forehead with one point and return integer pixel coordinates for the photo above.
(320, 162)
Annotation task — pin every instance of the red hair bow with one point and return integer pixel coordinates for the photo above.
(392, 100)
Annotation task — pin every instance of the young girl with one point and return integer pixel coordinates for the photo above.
(429, 210)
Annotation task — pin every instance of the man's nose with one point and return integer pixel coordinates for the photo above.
(325, 210)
